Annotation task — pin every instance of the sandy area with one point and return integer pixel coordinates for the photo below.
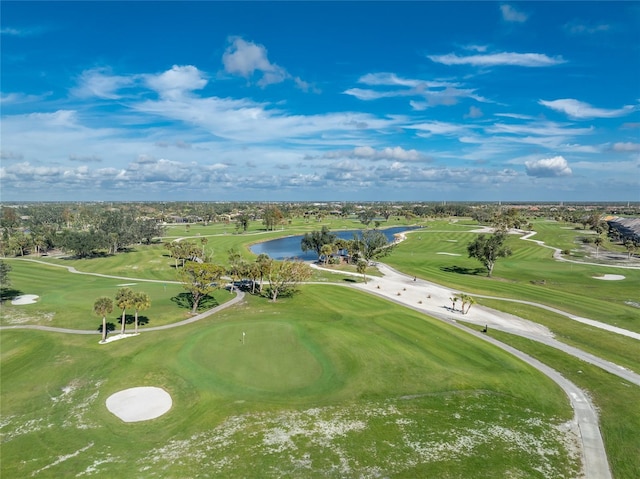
(448, 254)
(139, 404)
(610, 277)
(25, 299)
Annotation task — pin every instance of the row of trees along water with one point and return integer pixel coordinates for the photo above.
(86, 229)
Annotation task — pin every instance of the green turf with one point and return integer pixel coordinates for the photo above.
(66, 299)
(328, 383)
(616, 400)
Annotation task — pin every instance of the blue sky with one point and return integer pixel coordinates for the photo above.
(317, 101)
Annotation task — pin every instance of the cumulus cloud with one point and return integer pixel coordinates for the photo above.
(499, 59)
(581, 110)
(246, 58)
(175, 83)
(548, 167)
(510, 14)
(99, 82)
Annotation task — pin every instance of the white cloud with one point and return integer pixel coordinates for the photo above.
(499, 59)
(245, 58)
(626, 147)
(548, 167)
(578, 27)
(395, 154)
(474, 112)
(510, 14)
(580, 110)
(174, 83)
(434, 92)
(99, 82)
(16, 98)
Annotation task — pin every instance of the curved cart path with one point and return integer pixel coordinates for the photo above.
(430, 298)
(585, 418)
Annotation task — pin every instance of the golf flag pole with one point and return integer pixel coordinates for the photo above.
(242, 337)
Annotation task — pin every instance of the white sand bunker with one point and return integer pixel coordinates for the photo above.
(609, 277)
(448, 254)
(25, 299)
(139, 404)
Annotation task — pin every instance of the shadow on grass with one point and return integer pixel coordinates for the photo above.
(461, 270)
(7, 294)
(185, 300)
(349, 280)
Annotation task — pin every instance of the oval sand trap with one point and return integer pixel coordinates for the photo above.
(139, 404)
(609, 277)
(25, 299)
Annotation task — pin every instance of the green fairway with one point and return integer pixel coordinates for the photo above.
(529, 274)
(329, 381)
(66, 299)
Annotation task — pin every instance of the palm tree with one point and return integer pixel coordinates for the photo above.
(361, 266)
(326, 250)
(203, 242)
(102, 307)
(141, 301)
(454, 300)
(598, 242)
(264, 261)
(631, 247)
(124, 300)
(470, 301)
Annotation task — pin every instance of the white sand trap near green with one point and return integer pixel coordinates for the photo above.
(448, 254)
(139, 404)
(610, 277)
(25, 299)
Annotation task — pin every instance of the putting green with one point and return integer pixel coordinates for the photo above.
(274, 357)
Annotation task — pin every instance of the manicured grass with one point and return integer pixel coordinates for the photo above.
(66, 299)
(329, 382)
(616, 399)
(529, 274)
(618, 349)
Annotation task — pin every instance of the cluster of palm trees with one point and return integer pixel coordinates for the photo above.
(464, 299)
(125, 299)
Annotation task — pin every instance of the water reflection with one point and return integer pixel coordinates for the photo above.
(289, 247)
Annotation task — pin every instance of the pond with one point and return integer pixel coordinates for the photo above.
(289, 247)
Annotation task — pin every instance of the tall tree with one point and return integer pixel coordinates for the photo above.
(242, 222)
(361, 267)
(598, 241)
(315, 240)
(372, 244)
(264, 262)
(488, 249)
(102, 307)
(284, 276)
(272, 217)
(631, 247)
(4, 274)
(141, 302)
(124, 300)
(199, 279)
(327, 250)
(366, 216)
